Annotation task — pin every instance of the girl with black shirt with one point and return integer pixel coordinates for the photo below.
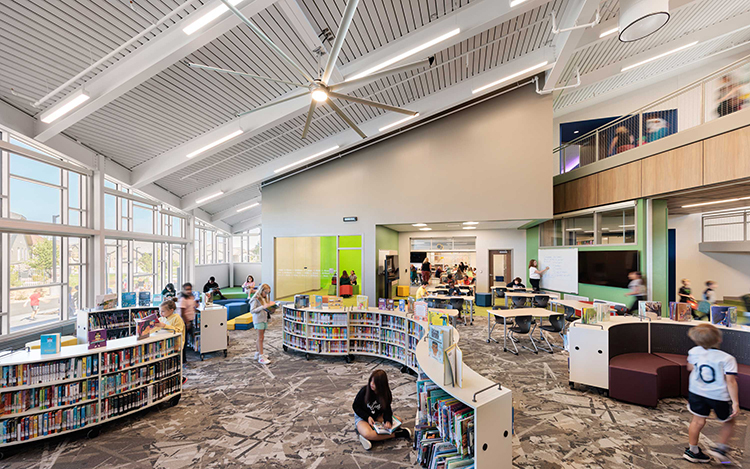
(373, 404)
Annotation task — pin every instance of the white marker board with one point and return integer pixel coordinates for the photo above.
(563, 269)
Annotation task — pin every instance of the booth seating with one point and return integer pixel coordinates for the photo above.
(643, 378)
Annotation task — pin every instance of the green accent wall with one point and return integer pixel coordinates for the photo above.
(350, 241)
(327, 259)
(612, 293)
(660, 247)
(385, 239)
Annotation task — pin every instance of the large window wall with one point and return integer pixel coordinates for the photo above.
(143, 266)
(246, 247)
(211, 245)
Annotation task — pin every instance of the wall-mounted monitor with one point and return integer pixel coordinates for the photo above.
(607, 268)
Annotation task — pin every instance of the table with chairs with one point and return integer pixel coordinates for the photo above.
(455, 302)
(522, 321)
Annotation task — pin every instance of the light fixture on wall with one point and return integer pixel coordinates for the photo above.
(425, 229)
(406, 54)
(509, 77)
(248, 207)
(660, 56)
(208, 17)
(214, 144)
(641, 18)
(320, 153)
(65, 106)
(419, 224)
(208, 197)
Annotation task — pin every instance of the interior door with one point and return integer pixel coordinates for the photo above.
(500, 261)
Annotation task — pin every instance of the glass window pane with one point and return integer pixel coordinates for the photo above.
(74, 190)
(176, 260)
(617, 226)
(144, 257)
(110, 184)
(209, 247)
(74, 250)
(74, 287)
(110, 212)
(177, 227)
(254, 248)
(32, 169)
(31, 307)
(143, 219)
(144, 283)
(34, 202)
(551, 233)
(74, 218)
(580, 230)
(110, 262)
(32, 259)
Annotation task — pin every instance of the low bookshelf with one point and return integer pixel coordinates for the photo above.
(43, 396)
(351, 331)
(118, 323)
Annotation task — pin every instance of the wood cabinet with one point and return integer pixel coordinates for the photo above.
(618, 184)
(681, 168)
(727, 156)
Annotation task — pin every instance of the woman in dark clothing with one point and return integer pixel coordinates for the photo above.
(345, 280)
(373, 405)
(516, 283)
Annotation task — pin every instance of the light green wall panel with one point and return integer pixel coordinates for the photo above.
(327, 259)
(350, 241)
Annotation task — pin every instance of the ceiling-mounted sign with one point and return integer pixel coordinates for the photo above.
(350, 219)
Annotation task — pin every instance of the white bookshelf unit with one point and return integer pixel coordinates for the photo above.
(42, 396)
(118, 322)
(351, 331)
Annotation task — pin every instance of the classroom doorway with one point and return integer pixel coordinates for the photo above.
(499, 271)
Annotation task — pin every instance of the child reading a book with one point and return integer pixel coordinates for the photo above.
(260, 306)
(171, 321)
(712, 386)
(373, 416)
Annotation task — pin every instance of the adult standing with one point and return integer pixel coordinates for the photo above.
(426, 271)
(535, 275)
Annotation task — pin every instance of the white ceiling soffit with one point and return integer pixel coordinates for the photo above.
(600, 60)
(459, 226)
(473, 19)
(247, 225)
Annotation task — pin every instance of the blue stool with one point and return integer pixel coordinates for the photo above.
(235, 309)
(484, 299)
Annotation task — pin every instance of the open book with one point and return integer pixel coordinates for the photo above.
(380, 429)
(272, 308)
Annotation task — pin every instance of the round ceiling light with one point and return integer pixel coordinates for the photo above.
(641, 18)
(319, 95)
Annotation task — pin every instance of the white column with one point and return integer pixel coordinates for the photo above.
(97, 271)
(190, 251)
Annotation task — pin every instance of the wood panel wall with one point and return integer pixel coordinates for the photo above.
(718, 159)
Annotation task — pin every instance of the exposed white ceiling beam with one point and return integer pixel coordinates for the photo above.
(472, 19)
(206, 217)
(232, 211)
(248, 224)
(433, 103)
(578, 12)
(148, 60)
(304, 28)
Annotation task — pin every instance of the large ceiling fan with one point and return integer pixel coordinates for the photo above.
(320, 89)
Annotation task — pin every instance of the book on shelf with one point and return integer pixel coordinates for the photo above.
(420, 310)
(97, 338)
(602, 312)
(50, 343)
(680, 311)
(390, 304)
(724, 315)
(158, 298)
(362, 302)
(588, 316)
(144, 298)
(104, 302)
(381, 304)
(127, 300)
(439, 340)
(381, 429)
(318, 302)
(144, 327)
(649, 308)
(402, 305)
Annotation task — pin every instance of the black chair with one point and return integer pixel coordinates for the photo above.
(498, 321)
(523, 325)
(541, 301)
(458, 304)
(518, 301)
(556, 324)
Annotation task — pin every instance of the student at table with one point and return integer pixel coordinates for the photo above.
(460, 274)
(413, 276)
(450, 282)
(535, 275)
(421, 291)
(516, 283)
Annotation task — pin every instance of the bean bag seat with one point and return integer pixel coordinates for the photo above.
(238, 308)
(680, 360)
(643, 378)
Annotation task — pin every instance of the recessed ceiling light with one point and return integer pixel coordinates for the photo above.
(208, 197)
(575, 131)
(514, 3)
(328, 150)
(406, 54)
(510, 77)
(425, 229)
(702, 204)
(608, 32)
(214, 144)
(208, 17)
(660, 56)
(470, 227)
(64, 107)
(471, 223)
(419, 224)
(248, 207)
(398, 122)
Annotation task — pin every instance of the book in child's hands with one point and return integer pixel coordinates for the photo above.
(380, 428)
(144, 327)
(144, 298)
(50, 343)
(128, 299)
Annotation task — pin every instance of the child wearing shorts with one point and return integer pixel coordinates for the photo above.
(712, 386)
(260, 306)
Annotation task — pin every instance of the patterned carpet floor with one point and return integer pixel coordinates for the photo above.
(297, 414)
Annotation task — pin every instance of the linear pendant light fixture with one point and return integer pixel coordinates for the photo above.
(715, 202)
(276, 171)
(208, 197)
(398, 122)
(214, 144)
(660, 56)
(67, 105)
(608, 32)
(208, 17)
(510, 77)
(515, 3)
(406, 54)
(248, 207)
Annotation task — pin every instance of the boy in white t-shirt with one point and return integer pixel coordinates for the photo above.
(713, 385)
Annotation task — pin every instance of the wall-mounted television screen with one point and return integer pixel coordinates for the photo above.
(607, 268)
(417, 257)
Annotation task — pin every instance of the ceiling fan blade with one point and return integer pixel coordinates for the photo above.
(359, 82)
(272, 104)
(349, 122)
(267, 40)
(367, 102)
(243, 74)
(333, 56)
(310, 113)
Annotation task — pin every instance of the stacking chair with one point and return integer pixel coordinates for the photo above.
(556, 324)
(498, 321)
(518, 301)
(458, 304)
(541, 301)
(522, 326)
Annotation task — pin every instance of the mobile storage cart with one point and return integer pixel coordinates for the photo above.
(210, 330)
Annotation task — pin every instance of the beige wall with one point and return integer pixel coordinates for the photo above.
(297, 265)
(489, 162)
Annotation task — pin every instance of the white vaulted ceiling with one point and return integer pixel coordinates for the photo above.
(148, 107)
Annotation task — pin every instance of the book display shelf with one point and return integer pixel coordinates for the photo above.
(42, 396)
(351, 331)
(118, 322)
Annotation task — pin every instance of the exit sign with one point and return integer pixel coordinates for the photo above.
(350, 219)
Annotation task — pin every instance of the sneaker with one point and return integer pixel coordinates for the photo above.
(257, 355)
(184, 380)
(263, 360)
(366, 444)
(699, 457)
(403, 433)
(720, 455)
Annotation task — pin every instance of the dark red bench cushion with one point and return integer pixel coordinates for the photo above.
(743, 383)
(643, 378)
(680, 360)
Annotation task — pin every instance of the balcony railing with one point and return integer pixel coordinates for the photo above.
(723, 92)
(726, 226)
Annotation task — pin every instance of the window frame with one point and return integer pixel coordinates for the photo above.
(596, 212)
